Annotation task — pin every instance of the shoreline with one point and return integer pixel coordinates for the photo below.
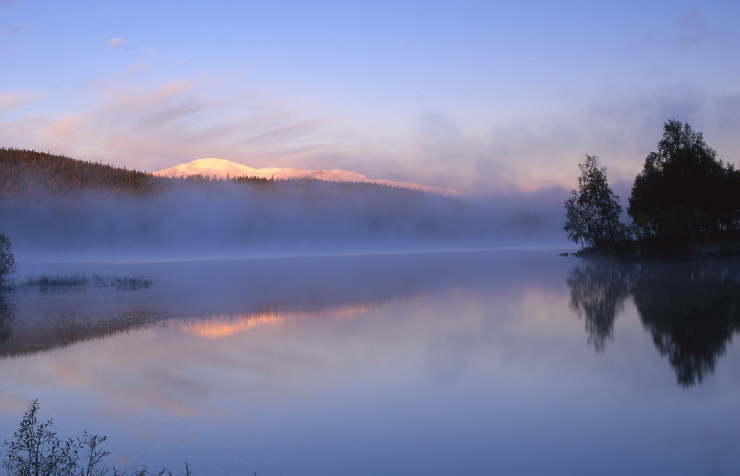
(634, 252)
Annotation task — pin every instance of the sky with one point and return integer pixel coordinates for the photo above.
(484, 97)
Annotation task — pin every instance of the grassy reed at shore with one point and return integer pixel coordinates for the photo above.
(45, 282)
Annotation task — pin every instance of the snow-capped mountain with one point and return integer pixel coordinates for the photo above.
(224, 168)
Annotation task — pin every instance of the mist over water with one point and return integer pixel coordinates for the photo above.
(226, 219)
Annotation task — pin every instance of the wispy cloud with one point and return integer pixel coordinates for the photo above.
(160, 125)
(694, 30)
(621, 129)
(542, 152)
(120, 42)
(175, 122)
(12, 30)
(16, 99)
(116, 42)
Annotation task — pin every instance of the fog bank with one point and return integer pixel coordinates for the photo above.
(225, 219)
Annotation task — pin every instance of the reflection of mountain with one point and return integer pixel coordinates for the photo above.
(219, 298)
(57, 320)
(692, 310)
(222, 297)
(218, 326)
(50, 323)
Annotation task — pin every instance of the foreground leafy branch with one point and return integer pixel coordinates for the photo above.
(37, 451)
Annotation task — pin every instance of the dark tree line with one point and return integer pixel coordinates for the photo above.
(31, 178)
(25, 172)
(684, 195)
(684, 192)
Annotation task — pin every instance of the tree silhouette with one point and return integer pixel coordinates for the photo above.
(592, 212)
(684, 192)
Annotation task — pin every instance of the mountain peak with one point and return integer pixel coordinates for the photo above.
(221, 168)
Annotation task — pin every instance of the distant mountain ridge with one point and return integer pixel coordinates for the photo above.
(220, 168)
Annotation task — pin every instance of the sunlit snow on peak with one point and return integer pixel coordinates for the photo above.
(220, 168)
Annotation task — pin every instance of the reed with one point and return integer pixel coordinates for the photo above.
(81, 280)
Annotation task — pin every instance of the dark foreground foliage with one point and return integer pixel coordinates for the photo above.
(36, 450)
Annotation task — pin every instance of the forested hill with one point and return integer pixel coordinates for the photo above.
(24, 172)
(51, 203)
(32, 178)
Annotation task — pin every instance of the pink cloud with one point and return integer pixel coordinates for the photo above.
(115, 42)
(159, 125)
(16, 99)
(65, 128)
(155, 127)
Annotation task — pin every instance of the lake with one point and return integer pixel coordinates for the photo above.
(498, 362)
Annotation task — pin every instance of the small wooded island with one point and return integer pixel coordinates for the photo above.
(684, 204)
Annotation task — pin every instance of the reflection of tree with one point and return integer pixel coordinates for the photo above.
(7, 313)
(597, 291)
(691, 309)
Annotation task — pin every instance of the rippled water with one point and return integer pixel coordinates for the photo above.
(508, 362)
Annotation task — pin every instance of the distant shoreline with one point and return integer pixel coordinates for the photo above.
(636, 252)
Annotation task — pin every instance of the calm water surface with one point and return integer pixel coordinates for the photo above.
(509, 362)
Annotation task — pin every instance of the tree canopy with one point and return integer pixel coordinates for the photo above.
(684, 195)
(683, 190)
(592, 212)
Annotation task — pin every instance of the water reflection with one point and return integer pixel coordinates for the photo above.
(7, 315)
(692, 309)
(54, 323)
(34, 330)
(222, 298)
(370, 365)
(219, 326)
(598, 291)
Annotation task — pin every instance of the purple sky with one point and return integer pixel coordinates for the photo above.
(484, 97)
